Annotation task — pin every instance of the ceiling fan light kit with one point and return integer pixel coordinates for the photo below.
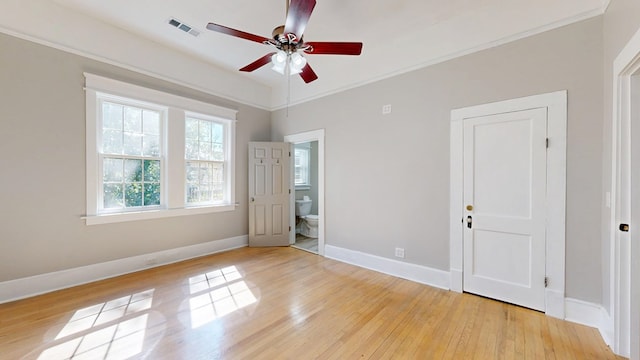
(290, 64)
(288, 40)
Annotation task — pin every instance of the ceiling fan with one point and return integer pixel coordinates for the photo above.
(288, 40)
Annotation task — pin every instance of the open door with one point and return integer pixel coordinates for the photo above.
(269, 194)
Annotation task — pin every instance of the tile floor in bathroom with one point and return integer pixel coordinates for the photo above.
(306, 243)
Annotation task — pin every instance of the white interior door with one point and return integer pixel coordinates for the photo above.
(504, 192)
(269, 194)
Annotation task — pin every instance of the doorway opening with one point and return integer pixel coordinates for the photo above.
(307, 195)
(305, 174)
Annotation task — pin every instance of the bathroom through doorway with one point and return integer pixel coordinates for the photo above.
(307, 197)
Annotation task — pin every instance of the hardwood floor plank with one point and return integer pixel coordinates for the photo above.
(280, 303)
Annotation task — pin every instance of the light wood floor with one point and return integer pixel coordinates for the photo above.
(280, 303)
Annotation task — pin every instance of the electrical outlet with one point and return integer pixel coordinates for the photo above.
(400, 253)
(386, 109)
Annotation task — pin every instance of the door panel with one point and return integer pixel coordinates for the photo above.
(513, 248)
(260, 220)
(268, 194)
(505, 187)
(278, 216)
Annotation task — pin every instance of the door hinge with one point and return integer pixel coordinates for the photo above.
(289, 228)
(547, 143)
(289, 153)
(546, 281)
(289, 191)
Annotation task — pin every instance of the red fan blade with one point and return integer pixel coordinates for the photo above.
(236, 33)
(298, 16)
(258, 63)
(307, 74)
(334, 48)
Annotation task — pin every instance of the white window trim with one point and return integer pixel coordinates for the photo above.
(174, 175)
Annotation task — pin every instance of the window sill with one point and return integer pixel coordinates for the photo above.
(154, 214)
(303, 187)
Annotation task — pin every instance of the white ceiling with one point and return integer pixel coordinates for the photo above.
(398, 35)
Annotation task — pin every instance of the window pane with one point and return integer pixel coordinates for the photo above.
(204, 131)
(205, 182)
(151, 194)
(152, 171)
(192, 172)
(206, 152)
(112, 170)
(133, 194)
(112, 196)
(132, 170)
(112, 142)
(151, 122)
(133, 120)
(218, 192)
(151, 145)
(218, 152)
(191, 129)
(191, 149)
(218, 173)
(218, 133)
(132, 144)
(111, 116)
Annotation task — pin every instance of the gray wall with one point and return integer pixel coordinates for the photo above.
(620, 23)
(42, 192)
(387, 177)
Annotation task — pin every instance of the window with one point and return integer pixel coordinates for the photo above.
(130, 156)
(205, 154)
(301, 165)
(151, 154)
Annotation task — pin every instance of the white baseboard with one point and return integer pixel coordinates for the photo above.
(590, 314)
(39, 284)
(418, 273)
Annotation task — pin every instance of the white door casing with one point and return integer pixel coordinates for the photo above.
(625, 202)
(555, 105)
(633, 279)
(504, 196)
(269, 193)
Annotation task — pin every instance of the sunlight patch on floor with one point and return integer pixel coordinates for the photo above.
(111, 330)
(217, 293)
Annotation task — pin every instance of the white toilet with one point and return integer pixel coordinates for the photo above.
(309, 225)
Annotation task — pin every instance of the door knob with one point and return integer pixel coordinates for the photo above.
(469, 221)
(252, 199)
(624, 227)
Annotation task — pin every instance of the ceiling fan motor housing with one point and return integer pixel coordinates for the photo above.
(288, 43)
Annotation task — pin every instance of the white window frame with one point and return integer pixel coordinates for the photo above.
(173, 201)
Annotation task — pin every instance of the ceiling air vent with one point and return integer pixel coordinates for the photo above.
(184, 27)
